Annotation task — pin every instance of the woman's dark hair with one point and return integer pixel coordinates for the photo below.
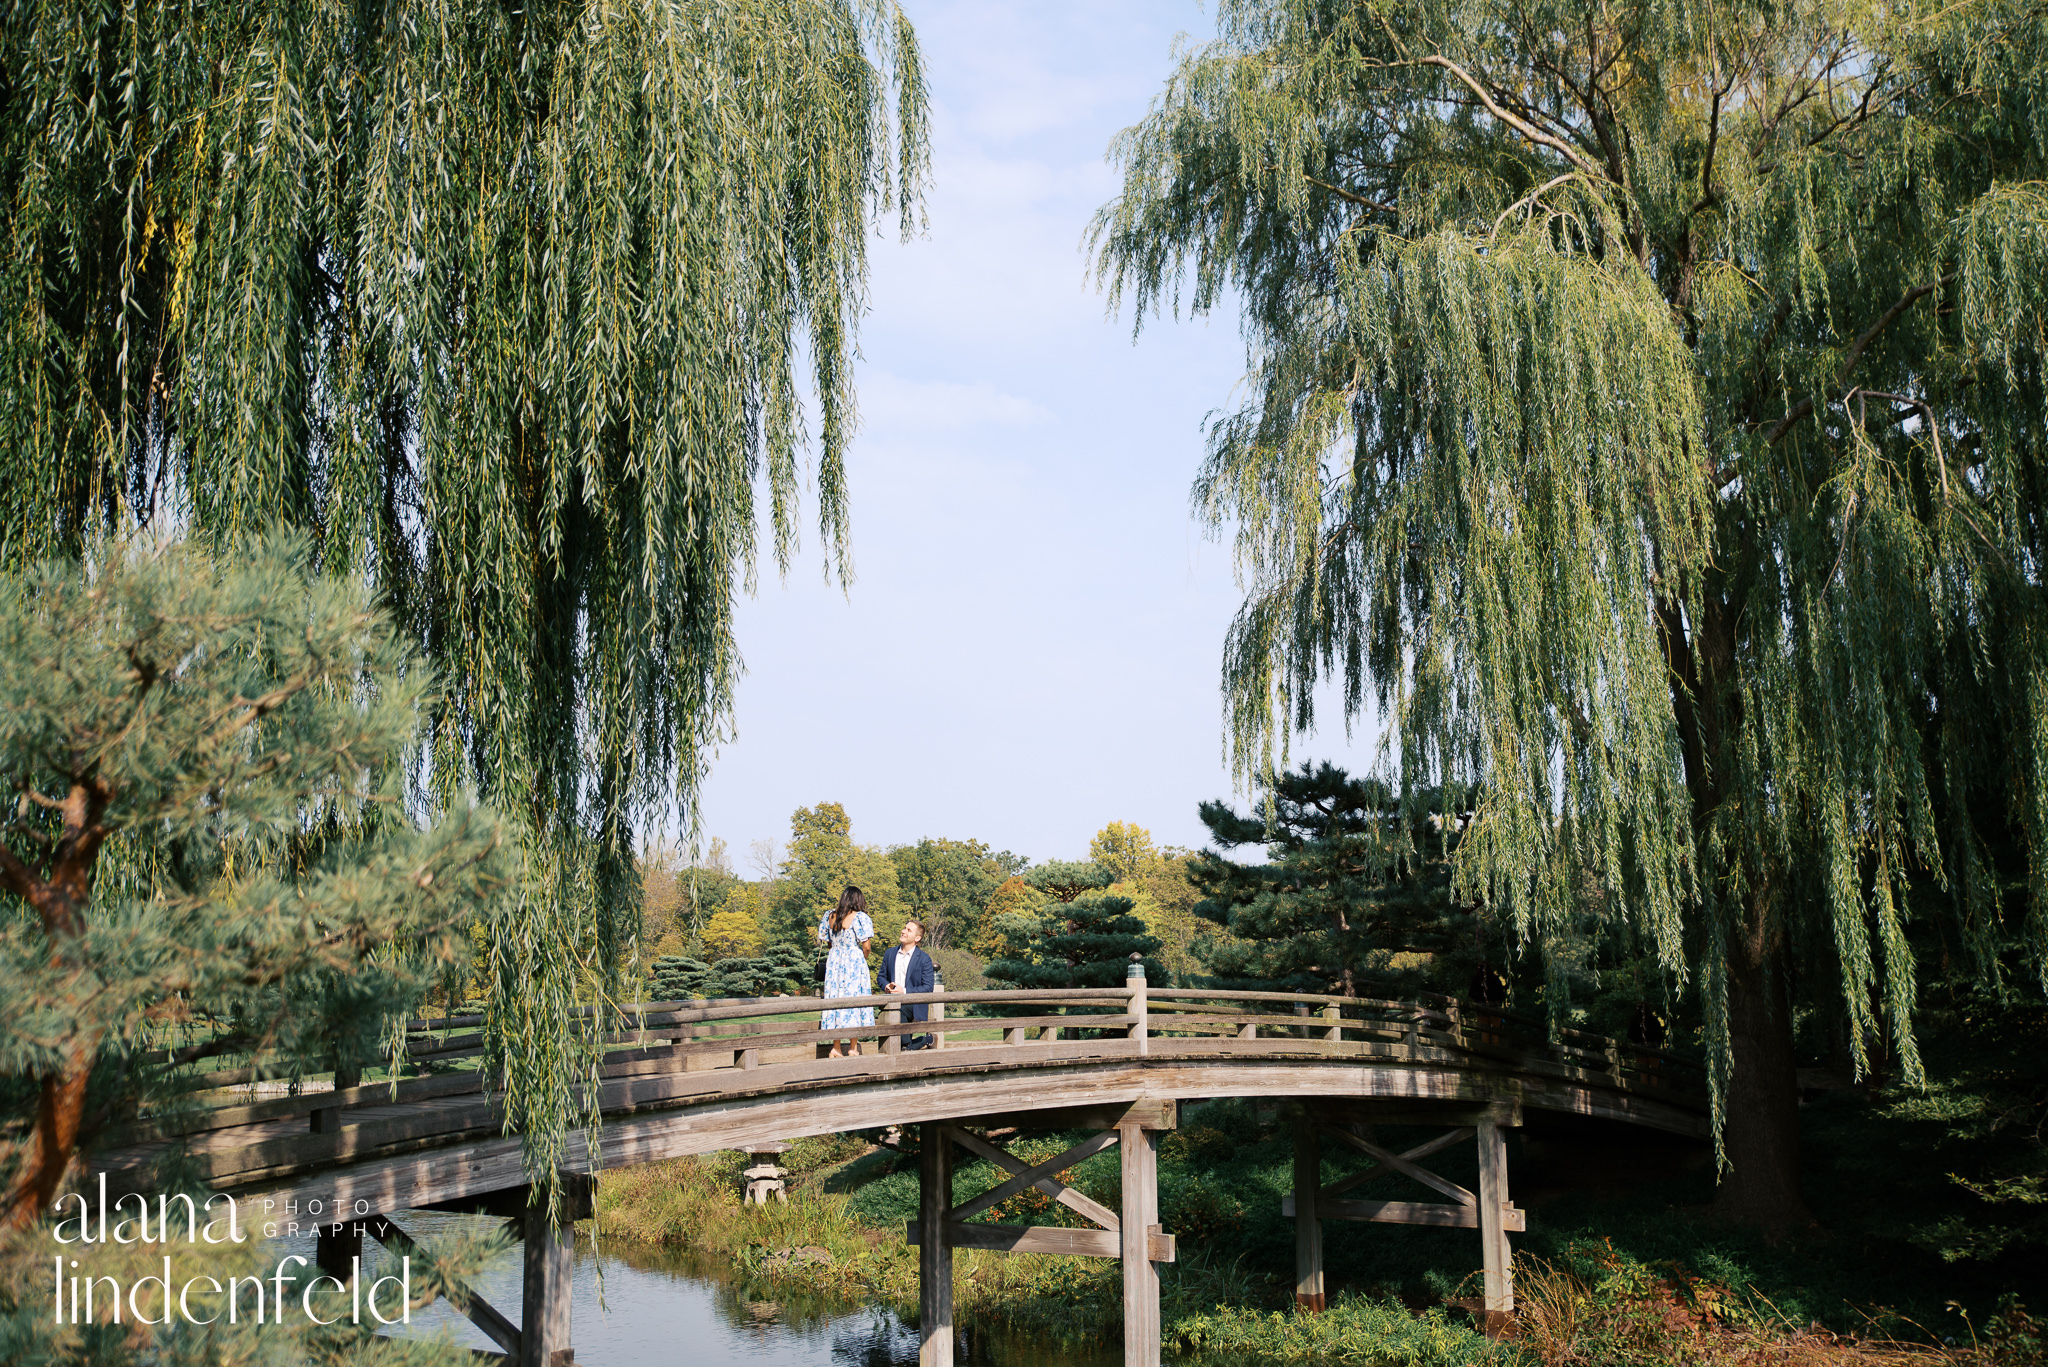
(853, 902)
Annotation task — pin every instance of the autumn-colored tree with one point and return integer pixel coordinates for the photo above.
(1164, 897)
(1012, 917)
(731, 934)
(1125, 849)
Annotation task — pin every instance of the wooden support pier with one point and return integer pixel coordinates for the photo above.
(1489, 1211)
(1131, 1233)
(544, 1290)
(541, 1336)
(1308, 1225)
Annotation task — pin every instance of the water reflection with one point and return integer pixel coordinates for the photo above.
(662, 1306)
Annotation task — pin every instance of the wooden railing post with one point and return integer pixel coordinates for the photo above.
(892, 1014)
(1140, 1028)
(1457, 1022)
(937, 1012)
(1333, 1020)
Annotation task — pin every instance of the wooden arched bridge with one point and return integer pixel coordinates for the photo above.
(695, 1077)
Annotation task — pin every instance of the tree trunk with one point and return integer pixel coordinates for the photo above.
(1761, 1126)
(60, 1108)
(1760, 1114)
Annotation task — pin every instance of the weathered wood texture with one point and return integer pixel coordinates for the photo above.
(676, 1088)
(544, 1294)
(1493, 1224)
(464, 1298)
(935, 1256)
(1140, 1193)
(1405, 1213)
(1160, 1246)
(1308, 1225)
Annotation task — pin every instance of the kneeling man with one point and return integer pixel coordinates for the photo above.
(906, 968)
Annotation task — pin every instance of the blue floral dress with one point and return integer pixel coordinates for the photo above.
(846, 971)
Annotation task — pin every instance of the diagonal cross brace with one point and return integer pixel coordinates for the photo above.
(1404, 1163)
(479, 1311)
(1040, 1177)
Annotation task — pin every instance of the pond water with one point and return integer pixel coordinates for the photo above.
(662, 1307)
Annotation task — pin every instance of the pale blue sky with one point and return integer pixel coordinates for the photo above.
(1032, 644)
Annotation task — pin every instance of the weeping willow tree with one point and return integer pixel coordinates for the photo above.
(516, 309)
(1646, 415)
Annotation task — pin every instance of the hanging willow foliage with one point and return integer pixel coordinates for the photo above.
(1647, 413)
(514, 308)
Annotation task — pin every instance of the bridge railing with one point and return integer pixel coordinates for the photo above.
(740, 1031)
(654, 1037)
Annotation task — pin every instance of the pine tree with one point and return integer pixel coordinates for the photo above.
(1088, 942)
(1352, 878)
(1063, 879)
(209, 839)
(781, 969)
(1645, 413)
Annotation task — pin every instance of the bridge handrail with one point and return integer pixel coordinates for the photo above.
(1326, 998)
(749, 1035)
(1460, 1016)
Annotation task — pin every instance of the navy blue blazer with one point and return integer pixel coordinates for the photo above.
(918, 976)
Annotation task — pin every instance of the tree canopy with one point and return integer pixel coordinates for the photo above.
(1065, 879)
(946, 884)
(514, 311)
(1646, 416)
(1125, 849)
(823, 861)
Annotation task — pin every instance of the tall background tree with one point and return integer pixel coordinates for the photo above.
(1646, 414)
(1125, 849)
(946, 885)
(506, 306)
(823, 862)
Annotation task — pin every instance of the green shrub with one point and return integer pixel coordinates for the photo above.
(1355, 1330)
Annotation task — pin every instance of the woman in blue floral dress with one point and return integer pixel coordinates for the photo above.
(847, 929)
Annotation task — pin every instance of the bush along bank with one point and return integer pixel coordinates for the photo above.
(1625, 1276)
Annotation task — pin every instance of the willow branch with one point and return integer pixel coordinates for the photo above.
(1351, 196)
(1854, 354)
(1522, 126)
